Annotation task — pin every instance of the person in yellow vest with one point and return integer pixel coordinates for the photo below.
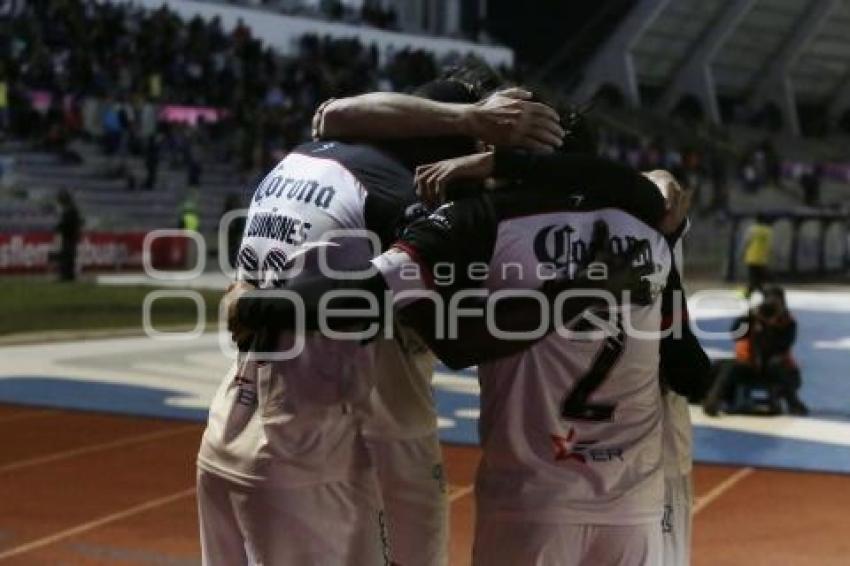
(190, 220)
(155, 86)
(4, 102)
(758, 247)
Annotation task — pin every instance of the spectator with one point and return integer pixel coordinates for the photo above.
(758, 248)
(772, 163)
(68, 229)
(750, 177)
(810, 182)
(189, 218)
(4, 100)
(190, 221)
(194, 156)
(153, 147)
(717, 172)
(762, 356)
(112, 128)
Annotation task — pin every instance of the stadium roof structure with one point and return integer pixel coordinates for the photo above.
(778, 52)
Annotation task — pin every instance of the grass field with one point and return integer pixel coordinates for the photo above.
(37, 305)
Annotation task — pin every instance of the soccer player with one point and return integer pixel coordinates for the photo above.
(400, 425)
(677, 455)
(573, 488)
(690, 361)
(284, 477)
(571, 428)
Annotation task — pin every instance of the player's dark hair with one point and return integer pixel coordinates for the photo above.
(579, 134)
(477, 76)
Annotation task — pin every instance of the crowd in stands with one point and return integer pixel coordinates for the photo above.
(711, 173)
(704, 170)
(72, 68)
(370, 13)
(77, 67)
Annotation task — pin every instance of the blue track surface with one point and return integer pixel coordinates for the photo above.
(823, 351)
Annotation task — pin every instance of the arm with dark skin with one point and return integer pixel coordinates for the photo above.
(474, 342)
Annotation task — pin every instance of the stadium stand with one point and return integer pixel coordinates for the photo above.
(750, 61)
(754, 92)
(100, 94)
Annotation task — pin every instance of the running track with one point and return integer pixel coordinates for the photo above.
(83, 489)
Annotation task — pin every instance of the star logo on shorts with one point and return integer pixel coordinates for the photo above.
(569, 447)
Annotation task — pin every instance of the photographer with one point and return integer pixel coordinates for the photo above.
(762, 355)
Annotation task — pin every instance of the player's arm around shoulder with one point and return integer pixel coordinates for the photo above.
(506, 117)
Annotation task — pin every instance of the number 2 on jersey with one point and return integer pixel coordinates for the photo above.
(575, 405)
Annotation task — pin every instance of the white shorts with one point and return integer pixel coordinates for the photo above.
(676, 524)
(328, 524)
(416, 507)
(511, 542)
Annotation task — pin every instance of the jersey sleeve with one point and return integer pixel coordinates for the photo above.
(604, 182)
(435, 251)
(389, 192)
(458, 233)
(387, 183)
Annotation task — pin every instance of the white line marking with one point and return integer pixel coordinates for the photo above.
(721, 488)
(90, 525)
(95, 448)
(808, 429)
(461, 492)
(26, 416)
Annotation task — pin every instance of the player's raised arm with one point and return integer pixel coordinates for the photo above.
(593, 177)
(505, 118)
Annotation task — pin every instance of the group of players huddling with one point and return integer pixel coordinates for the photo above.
(555, 271)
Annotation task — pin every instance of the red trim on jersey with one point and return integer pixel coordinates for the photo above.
(424, 268)
(667, 319)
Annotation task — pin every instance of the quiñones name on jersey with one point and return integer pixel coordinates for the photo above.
(295, 421)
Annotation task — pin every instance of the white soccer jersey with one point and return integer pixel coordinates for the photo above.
(571, 427)
(295, 422)
(538, 428)
(402, 404)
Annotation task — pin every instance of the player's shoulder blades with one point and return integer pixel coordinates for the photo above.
(359, 158)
